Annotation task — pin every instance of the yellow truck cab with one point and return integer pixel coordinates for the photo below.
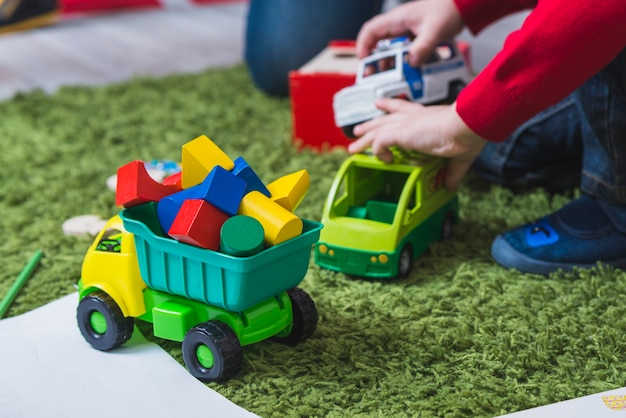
(111, 265)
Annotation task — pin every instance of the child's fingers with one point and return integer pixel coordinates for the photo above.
(359, 145)
(372, 31)
(423, 45)
(455, 172)
(396, 105)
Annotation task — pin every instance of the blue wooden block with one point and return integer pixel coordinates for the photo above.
(245, 172)
(168, 207)
(222, 189)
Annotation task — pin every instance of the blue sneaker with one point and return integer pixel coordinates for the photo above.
(580, 234)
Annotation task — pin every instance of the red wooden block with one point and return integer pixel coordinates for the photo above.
(136, 187)
(198, 223)
(174, 180)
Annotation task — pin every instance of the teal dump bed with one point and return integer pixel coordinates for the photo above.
(232, 283)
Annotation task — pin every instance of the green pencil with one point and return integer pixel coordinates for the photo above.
(19, 283)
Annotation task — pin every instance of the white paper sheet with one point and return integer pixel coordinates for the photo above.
(48, 370)
(610, 404)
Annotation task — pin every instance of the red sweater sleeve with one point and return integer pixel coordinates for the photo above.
(561, 44)
(479, 13)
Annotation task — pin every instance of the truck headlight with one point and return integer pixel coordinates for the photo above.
(323, 249)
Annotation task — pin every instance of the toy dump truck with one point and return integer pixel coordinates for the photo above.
(212, 302)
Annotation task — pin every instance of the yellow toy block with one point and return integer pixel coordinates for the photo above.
(199, 157)
(289, 190)
(279, 224)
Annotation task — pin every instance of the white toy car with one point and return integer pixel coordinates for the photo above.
(387, 73)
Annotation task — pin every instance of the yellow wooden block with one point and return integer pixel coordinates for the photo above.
(279, 224)
(289, 190)
(199, 157)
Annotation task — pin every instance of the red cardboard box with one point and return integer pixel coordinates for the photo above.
(312, 88)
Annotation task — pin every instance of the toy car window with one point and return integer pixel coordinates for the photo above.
(111, 241)
(444, 52)
(379, 66)
(413, 201)
(432, 58)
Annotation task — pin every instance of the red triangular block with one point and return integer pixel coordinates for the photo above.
(198, 223)
(136, 187)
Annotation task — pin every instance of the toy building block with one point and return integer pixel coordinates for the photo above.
(221, 188)
(198, 223)
(245, 172)
(174, 179)
(279, 224)
(135, 186)
(289, 190)
(241, 236)
(199, 157)
(168, 207)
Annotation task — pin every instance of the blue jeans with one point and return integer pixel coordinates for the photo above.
(283, 35)
(580, 141)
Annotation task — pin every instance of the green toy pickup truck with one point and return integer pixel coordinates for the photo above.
(380, 217)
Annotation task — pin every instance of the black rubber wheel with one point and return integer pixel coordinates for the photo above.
(304, 317)
(447, 226)
(102, 322)
(405, 262)
(212, 352)
(348, 131)
(454, 90)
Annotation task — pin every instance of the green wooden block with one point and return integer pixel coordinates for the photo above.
(241, 236)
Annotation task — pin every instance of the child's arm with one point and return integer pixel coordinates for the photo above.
(560, 45)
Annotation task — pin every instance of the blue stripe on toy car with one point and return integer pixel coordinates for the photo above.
(443, 67)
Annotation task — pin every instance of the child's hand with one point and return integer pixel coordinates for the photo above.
(433, 130)
(430, 21)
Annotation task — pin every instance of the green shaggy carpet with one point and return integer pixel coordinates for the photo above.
(461, 337)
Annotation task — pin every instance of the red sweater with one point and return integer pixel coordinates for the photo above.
(561, 44)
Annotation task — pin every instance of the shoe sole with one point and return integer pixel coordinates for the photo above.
(33, 23)
(505, 255)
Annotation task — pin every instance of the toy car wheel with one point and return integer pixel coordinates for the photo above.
(405, 262)
(447, 225)
(304, 317)
(212, 352)
(102, 322)
(348, 131)
(455, 90)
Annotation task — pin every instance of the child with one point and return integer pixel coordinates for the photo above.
(552, 100)
(283, 35)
